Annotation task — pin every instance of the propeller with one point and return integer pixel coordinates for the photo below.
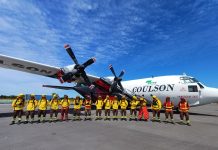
(117, 79)
(79, 68)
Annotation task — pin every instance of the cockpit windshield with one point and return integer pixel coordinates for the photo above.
(188, 80)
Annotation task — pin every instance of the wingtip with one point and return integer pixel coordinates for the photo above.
(94, 59)
(110, 66)
(66, 46)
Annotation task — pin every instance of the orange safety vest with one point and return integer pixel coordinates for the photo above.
(169, 106)
(183, 107)
(88, 104)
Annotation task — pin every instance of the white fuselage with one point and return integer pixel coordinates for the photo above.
(174, 87)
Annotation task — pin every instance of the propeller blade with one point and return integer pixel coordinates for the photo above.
(86, 79)
(89, 62)
(122, 73)
(70, 52)
(112, 70)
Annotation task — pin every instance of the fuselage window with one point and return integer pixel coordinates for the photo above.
(192, 88)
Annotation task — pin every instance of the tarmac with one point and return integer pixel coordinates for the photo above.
(113, 135)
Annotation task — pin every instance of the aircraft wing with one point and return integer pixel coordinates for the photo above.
(28, 66)
(9, 62)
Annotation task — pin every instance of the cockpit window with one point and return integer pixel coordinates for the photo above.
(188, 80)
(192, 88)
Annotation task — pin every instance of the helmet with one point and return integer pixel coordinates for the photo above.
(153, 96)
(55, 96)
(182, 98)
(107, 96)
(32, 94)
(21, 95)
(141, 99)
(134, 97)
(167, 98)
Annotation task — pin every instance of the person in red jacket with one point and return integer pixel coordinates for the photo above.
(143, 112)
(184, 108)
(168, 106)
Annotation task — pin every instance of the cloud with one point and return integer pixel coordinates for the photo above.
(26, 34)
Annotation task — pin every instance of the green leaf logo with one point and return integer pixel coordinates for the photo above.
(149, 81)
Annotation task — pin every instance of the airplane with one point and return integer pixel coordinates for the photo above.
(174, 86)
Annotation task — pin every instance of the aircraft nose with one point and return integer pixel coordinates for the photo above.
(211, 95)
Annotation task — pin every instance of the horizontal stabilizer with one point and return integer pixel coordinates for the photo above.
(59, 87)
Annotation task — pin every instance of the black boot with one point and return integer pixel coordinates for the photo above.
(12, 122)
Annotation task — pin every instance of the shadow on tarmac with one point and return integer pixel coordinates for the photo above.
(10, 114)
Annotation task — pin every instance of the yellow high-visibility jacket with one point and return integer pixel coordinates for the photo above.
(54, 103)
(115, 104)
(99, 104)
(65, 103)
(31, 105)
(77, 104)
(134, 104)
(123, 104)
(107, 104)
(42, 104)
(18, 104)
(156, 105)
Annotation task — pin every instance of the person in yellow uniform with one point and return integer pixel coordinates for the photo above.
(65, 104)
(88, 105)
(115, 106)
(156, 107)
(123, 106)
(31, 106)
(107, 107)
(77, 108)
(18, 105)
(133, 111)
(42, 108)
(99, 104)
(54, 103)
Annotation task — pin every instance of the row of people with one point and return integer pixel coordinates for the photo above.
(19, 103)
(108, 104)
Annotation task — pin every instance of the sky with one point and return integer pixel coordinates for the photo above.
(144, 37)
